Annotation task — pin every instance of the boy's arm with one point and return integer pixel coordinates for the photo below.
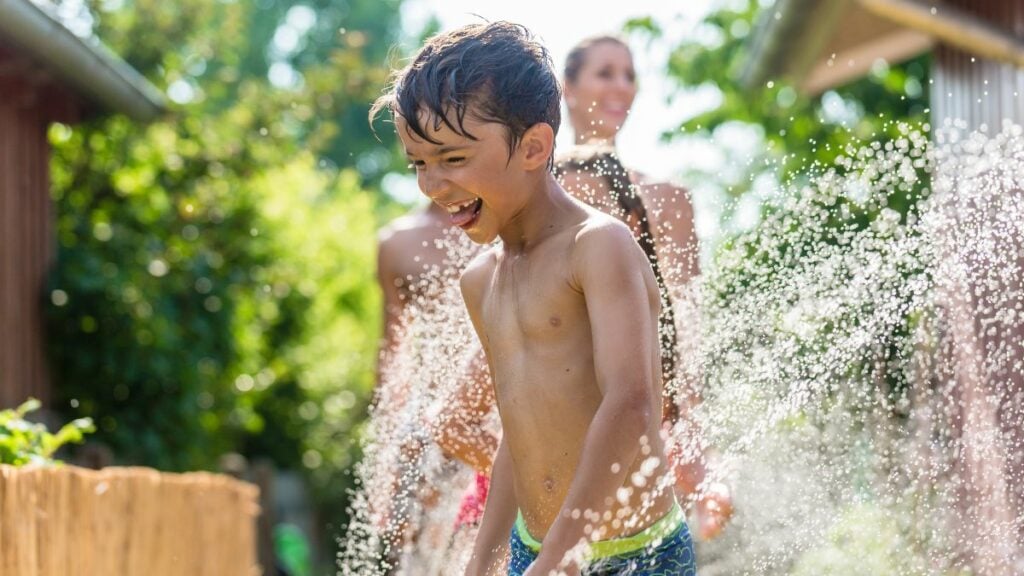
(490, 550)
(616, 281)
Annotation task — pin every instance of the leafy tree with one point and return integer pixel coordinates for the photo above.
(798, 136)
(214, 287)
(794, 130)
(336, 51)
(778, 286)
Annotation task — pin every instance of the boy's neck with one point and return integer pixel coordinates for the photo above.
(544, 214)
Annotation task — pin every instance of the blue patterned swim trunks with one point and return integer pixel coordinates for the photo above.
(663, 549)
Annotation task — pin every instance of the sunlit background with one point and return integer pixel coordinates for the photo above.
(211, 300)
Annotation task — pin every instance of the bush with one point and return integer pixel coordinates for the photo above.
(23, 442)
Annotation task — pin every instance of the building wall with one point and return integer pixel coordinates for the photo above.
(976, 90)
(988, 353)
(26, 230)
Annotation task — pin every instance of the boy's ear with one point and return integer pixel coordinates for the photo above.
(537, 145)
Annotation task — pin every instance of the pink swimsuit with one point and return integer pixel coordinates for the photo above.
(472, 507)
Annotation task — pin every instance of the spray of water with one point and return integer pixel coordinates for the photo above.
(860, 364)
(863, 365)
(404, 508)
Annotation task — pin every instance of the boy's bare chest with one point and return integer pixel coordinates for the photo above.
(533, 297)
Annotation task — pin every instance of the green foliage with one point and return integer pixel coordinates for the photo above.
(214, 288)
(798, 137)
(797, 130)
(215, 47)
(23, 442)
(864, 540)
(817, 236)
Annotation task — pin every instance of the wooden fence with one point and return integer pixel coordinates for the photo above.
(72, 521)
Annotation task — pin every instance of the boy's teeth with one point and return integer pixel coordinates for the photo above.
(456, 207)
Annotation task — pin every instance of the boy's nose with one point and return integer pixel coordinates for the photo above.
(432, 184)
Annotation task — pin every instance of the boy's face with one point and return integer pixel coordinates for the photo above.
(474, 180)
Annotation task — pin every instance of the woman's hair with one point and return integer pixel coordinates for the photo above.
(578, 55)
(601, 161)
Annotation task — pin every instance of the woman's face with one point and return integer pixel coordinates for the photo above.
(602, 94)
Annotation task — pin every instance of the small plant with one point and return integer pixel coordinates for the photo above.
(23, 442)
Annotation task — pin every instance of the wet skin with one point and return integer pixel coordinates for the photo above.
(408, 249)
(566, 308)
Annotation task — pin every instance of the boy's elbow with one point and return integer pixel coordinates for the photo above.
(637, 408)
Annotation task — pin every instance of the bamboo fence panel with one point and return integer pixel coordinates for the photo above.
(70, 521)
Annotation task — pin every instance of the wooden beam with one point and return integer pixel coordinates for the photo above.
(855, 62)
(952, 26)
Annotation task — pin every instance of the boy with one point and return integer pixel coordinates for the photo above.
(566, 309)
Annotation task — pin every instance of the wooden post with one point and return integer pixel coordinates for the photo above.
(953, 26)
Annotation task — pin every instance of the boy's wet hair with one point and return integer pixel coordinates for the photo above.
(495, 71)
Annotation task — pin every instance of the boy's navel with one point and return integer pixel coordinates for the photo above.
(555, 321)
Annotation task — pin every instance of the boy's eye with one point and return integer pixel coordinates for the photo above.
(455, 159)
(415, 165)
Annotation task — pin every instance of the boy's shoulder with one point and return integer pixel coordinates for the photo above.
(601, 229)
(475, 275)
(603, 242)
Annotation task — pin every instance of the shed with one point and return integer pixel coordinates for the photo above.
(977, 49)
(47, 75)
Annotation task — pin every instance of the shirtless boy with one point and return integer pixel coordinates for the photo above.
(566, 308)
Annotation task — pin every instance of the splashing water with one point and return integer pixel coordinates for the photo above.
(863, 367)
(861, 362)
(404, 510)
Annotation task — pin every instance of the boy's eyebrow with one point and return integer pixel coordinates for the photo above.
(440, 151)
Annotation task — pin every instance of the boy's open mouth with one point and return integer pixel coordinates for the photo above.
(465, 214)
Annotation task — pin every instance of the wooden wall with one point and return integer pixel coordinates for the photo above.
(973, 89)
(26, 248)
(987, 355)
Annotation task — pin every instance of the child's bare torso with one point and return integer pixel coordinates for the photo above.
(538, 337)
